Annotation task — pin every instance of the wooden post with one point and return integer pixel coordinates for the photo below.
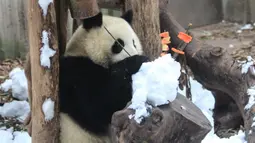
(146, 25)
(44, 80)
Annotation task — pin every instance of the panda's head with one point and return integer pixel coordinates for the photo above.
(99, 39)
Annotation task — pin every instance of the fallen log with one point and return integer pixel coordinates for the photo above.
(217, 69)
(179, 122)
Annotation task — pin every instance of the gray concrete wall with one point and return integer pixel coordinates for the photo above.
(197, 12)
(233, 10)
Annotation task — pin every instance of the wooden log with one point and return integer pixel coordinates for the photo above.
(81, 9)
(217, 69)
(179, 122)
(44, 80)
(111, 4)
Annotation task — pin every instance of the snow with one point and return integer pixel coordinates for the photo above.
(17, 83)
(151, 74)
(204, 100)
(48, 109)
(46, 51)
(8, 136)
(251, 93)
(18, 109)
(247, 27)
(44, 5)
(246, 65)
(155, 83)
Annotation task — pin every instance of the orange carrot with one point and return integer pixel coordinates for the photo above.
(177, 51)
(184, 37)
(164, 34)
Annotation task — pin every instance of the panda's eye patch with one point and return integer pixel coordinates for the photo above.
(134, 43)
(116, 47)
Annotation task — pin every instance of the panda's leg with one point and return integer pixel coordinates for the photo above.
(71, 132)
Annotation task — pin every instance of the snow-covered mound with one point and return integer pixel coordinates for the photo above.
(17, 83)
(18, 109)
(8, 136)
(204, 100)
(155, 83)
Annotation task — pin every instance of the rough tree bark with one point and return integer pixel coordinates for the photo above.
(216, 69)
(62, 16)
(45, 81)
(146, 25)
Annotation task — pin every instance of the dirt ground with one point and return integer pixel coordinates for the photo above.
(237, 37)
(226, 34)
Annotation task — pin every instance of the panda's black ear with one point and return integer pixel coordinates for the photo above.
(128, 16)
(95, 21)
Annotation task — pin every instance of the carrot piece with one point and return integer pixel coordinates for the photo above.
(184, 37)
(177, 51)
(166, 40)
(165, 47)
(164, 34)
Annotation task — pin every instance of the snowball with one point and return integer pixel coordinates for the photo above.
(46, 51)
(156, 83)
(17, 83)
(6, 85)
(19, 109)
(48, 109)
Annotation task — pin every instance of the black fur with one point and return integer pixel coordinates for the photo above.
(92, 22)
(90, 93)
(128, 16)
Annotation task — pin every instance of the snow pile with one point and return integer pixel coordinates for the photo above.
(17, 83)
(155, 83)
(44, 5)
(8, 136)
(251, 93)
(48, 109)
(246, 64)
(247, 27)
(204, 100)
(18, 109)
(46, 51)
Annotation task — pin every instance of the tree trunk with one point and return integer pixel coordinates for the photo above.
(217, 69)
(44, 81)
(146, 25)
(62, 16)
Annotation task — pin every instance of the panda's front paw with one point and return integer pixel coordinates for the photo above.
(134, 63)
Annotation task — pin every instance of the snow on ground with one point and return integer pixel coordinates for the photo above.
(205, 101)
(17, 83)
(16, 109)
(143, 85)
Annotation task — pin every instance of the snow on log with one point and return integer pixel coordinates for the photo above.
(167, 123)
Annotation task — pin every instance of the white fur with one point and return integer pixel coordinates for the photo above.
(96, 43)
(70, 132)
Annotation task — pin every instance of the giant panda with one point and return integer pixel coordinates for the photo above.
(95, 77)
